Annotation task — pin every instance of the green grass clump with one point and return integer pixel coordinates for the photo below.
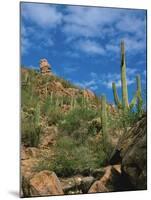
(71, 158)
(30, 133)
(78, 124)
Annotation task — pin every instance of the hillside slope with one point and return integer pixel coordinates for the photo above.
(61, 131)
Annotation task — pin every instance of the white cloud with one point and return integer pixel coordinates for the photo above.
(112, 48)
(87, 84)
(72, 54)
(69, 70)
(95, 87)
(93, 75)
(25, 42)
(43, 15)
(48, 42)
(108, 79)
(87, 21)
(90, 47)
(131, 71)
(131, 24)
(93, 23)
(25, 45)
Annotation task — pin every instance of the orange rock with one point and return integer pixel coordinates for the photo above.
(45, 66)
(88, 94)
(45, 183)
(105, 182)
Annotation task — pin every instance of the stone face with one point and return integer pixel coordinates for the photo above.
(42, 184)
(131, 152)
(45, 67)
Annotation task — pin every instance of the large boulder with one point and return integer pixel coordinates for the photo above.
(42, 184)
(131, 152)
(109, 182)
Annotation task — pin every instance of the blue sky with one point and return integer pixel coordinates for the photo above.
(83, 43)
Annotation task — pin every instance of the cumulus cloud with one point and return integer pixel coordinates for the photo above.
(103, 23)
(90, 24)
(43, 15)
(90, 47)
(25, 42)
(69, 70)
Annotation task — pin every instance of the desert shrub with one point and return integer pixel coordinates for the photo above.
(70, 158)
(54, 116)
(76, 118)
(123, 119)
(30, 126)
(30, 134)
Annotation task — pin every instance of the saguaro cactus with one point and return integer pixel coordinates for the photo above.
(106, 140)
(124, 104)
(139, 95)
(51, 97)
(103, 115)
(116, 98)
(37, 115)
(123, 77)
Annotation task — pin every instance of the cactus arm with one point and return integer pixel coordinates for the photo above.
(123, 78)
(116, 98)
(139, 97)
(138, 81)
(134, 100)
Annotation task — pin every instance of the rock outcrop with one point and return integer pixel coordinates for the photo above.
(45, 67)
(109, 181)
(88, 94)
(131, 152)
(42, 184)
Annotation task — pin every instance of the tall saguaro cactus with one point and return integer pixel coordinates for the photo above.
(37, 115)
(124, 104)
(106, 139)
(123, 77)
(104, 118)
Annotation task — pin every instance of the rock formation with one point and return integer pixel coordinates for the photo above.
(131, 153)
(88, 94)
(45, 67)
(42, 184)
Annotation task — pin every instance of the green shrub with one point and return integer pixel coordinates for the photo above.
(30, 126)
(54, 116)
(70, 158)
(30, 134)
(76, 118)
(123, 119)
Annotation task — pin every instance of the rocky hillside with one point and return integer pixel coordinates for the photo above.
(62, 145)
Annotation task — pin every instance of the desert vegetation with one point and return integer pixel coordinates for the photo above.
(69, 130)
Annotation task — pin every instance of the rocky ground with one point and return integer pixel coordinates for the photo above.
(124, 170)
(127, 169)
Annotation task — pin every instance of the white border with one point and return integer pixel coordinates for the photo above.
(9, 98)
